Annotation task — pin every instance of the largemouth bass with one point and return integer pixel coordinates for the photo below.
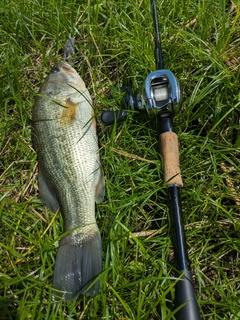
(70, 176)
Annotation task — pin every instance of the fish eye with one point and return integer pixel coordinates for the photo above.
(54, 70)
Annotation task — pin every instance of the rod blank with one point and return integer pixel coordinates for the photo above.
(158, 47)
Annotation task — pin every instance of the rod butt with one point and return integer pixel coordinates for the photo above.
(186, 298)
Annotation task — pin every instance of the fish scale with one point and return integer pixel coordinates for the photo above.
(70, 177)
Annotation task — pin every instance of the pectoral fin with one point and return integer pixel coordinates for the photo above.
(47, 196)
(100, 187)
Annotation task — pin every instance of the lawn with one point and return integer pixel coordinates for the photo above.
(115, 46)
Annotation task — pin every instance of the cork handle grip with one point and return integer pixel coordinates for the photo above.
(170, 154)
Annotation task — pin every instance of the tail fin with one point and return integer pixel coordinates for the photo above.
(78, 263)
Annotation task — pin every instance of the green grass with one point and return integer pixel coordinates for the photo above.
(114, 45)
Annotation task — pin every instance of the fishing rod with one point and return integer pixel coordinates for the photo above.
(160, 97)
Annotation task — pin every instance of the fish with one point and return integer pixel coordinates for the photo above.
(70, 177)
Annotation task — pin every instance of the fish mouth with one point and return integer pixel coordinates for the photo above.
(67, 68)
(63, 67)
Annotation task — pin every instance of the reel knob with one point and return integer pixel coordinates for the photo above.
(110, 117)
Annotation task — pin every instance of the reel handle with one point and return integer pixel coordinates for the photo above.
(110, 117)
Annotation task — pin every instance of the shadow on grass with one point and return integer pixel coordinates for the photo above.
(8, 309)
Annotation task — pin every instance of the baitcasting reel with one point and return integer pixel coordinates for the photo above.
(160, 91)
